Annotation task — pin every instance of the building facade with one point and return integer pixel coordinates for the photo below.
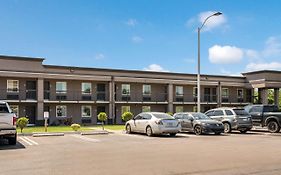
(75, 94)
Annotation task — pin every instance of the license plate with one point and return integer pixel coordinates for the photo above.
(170, 124)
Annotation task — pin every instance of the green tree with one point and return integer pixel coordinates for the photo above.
(126, 116)
(22, 123)
(102, 117)
(170, 113)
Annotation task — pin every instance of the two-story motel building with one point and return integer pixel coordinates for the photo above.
(79, 93)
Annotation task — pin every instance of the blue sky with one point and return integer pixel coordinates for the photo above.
(144, 34)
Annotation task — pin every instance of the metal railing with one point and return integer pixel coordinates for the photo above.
(75, 96)
(18, 94)
(156, 97)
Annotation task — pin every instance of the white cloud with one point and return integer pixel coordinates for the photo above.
(252, 54)
(225, 54)
(155, 68)
(263, 66)
(99, 56)
(137, 39)
(272, 47)
(212, 22)
(132, 22)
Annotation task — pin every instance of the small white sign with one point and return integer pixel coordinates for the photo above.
(46, 115)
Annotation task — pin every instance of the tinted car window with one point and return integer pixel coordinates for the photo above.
(210, 113)
(240, 112)
(3, 108)
(178, 116)
(138, 117)
(186, 116)
(270, 109)
(256, 109)
(163, 116)
(218, 113)
(200, 116)
(228, 112)
(146, 116)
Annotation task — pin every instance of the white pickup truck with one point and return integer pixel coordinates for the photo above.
(7, 123)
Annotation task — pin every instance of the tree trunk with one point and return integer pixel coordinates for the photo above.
(102, 126)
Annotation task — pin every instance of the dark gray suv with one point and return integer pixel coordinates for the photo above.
(232, 118)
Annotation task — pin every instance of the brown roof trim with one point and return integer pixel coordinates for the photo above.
(25, 58)
(137, 71)
(261, 71)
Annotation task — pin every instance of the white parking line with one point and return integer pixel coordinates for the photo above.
(135, 136)
(28, 141)
(86, 138)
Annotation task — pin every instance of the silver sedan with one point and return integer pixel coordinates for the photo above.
(152, 123)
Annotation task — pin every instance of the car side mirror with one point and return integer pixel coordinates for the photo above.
(191, 119)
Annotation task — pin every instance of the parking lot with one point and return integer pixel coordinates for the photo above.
(119, 153)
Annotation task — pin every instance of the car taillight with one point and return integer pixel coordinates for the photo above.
(14, 120)
(159, 122)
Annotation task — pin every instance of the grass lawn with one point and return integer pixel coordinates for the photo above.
(111, 127)
(32, 129)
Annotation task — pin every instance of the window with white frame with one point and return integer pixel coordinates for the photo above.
(179, 90)
(125, 89)
(146, 89)
(86, 111)
(240, 93)
(225, 92)
(61, 111)
(86, 88)
(125, 109)
(12, 85)
(15, 109)
(179, 108)
(61, 87)
(194, 91)
(146, 109)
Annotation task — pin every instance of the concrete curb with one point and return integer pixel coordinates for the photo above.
(47, 134)
(95, 132)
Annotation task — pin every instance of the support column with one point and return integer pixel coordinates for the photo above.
(170, 98)
(276, 96)
(112, 100)
(40, 99)
(219, 94)
(264, 96)
(259, 95)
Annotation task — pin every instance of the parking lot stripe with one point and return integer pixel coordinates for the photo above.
(86, 138)
(33, 142)
(25, 141)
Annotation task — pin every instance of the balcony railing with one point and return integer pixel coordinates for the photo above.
(18, 94)
(75, 96)
(157, 97)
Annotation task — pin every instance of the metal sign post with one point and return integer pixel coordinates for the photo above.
(46, 117)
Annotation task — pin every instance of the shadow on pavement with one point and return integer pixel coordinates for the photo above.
(5, 146)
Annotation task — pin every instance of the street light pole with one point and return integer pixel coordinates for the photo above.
(198, 63)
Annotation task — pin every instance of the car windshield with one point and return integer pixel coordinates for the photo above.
(241, 112)
(200, 116)
(163, 116)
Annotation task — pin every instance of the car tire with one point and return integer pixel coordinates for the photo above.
(243, 131)
(128, 129)
(273, 127)
(173, 134)
(227, 127)
(198, 130)
(149, 131)
(12, 140)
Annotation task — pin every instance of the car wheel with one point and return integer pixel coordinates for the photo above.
(273, 127)
(128, 129)
(149, 131)
(198, 130)
(227, 127)
(243, 131)
(173, 134)
(12, 140)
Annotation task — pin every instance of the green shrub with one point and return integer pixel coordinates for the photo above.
(170, 113)
(102, 117)
(126, 116)
(22, 123)
(75, 126)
